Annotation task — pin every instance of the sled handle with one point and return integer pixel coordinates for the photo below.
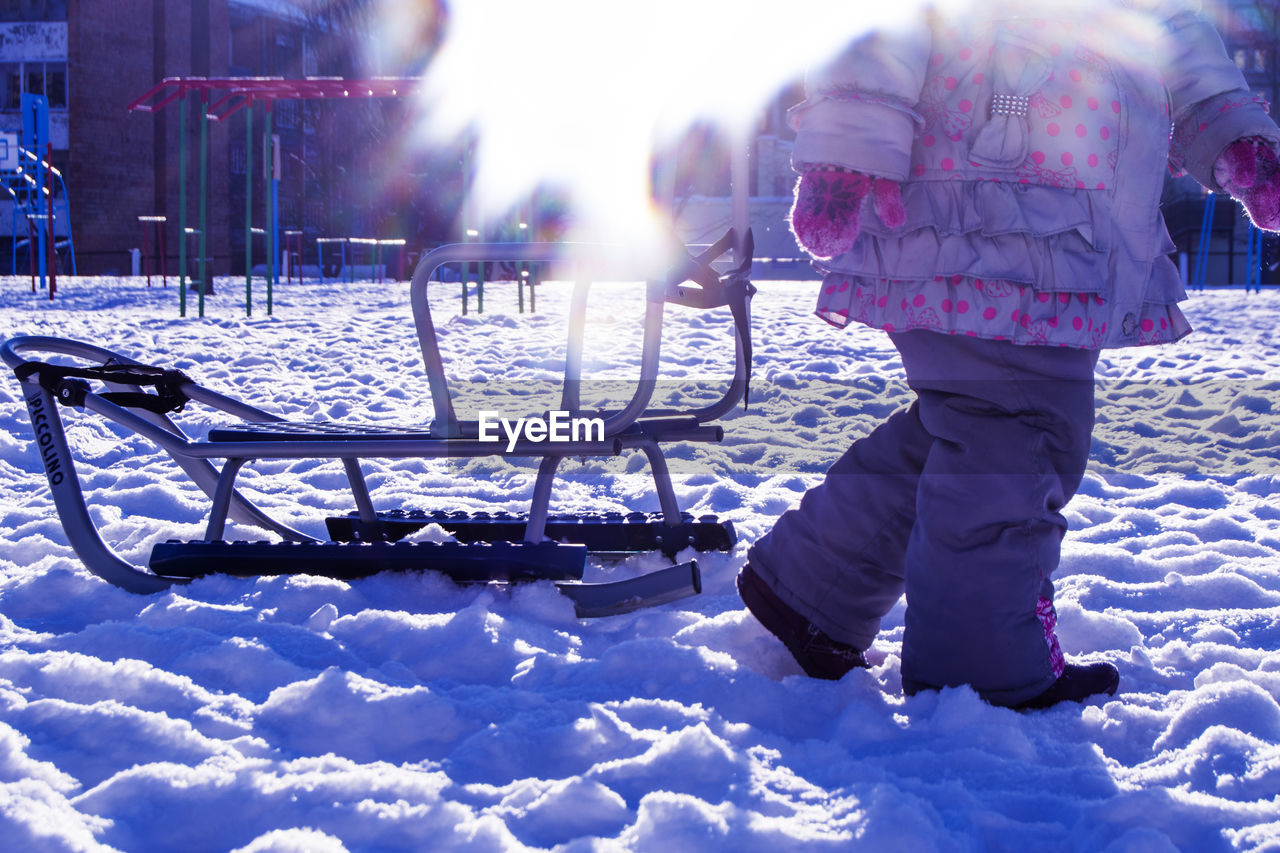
(601, 260)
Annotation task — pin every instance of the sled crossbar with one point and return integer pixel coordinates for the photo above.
(495, 548)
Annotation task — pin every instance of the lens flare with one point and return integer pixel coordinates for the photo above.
(578, 95)
(587, 97)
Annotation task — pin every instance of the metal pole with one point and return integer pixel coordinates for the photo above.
(269, 226)
(466, 224)
(53, 239)
(248, 209)
(522, 268)
(146, 251)
(480, 281)
(1255, 271)
(275, 231)
(31, 251)
(1206, 234)
(533, 268)
(204, 196)
(42, 258)
(1261, 260)
(182, 203)
(1248, 259)
(741, 180)
(1231, 246)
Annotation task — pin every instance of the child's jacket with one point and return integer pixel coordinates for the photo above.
(1032, 144)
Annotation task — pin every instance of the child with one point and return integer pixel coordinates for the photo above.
(985, 188)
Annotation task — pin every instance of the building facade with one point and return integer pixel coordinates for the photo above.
(93, 58)
(342, 170)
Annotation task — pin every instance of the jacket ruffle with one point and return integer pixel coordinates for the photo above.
(1053, 239)
(996, 310)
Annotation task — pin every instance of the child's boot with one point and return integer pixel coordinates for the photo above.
(1077, 683)
(818, 654)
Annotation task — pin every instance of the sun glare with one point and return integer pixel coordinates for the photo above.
(579, 94)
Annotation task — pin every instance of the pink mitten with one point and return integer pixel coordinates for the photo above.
(825, 214)
(1250, 171)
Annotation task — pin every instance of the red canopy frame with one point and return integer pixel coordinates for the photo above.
(240, 91)
(233, 94)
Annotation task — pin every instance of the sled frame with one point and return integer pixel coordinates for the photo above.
(264, 435)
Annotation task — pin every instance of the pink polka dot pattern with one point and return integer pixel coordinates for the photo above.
(1019, 179)
(983, 308)
(1072, 139)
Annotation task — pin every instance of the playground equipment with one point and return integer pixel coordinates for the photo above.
(41, 207)
(1202, 247)
(337, 257)
(340, 257)
(522, 272)
(292, 254)
(219, 98)
(1253, 259)
(153, 243)
(489, 549)
(1253, 250)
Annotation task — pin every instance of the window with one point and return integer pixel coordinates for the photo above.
(33, 78)
(285, 56)
(11, 79)
(245, 35)
(286, 114)
(56, 85)
(33, 10)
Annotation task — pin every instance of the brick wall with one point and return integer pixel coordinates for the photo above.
(120, 164)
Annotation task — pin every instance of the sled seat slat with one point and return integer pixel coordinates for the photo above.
(601, 533)
(316, 431)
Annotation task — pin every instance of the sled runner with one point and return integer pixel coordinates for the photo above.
(56, 374)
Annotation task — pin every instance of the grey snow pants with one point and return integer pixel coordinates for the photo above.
(956, 501)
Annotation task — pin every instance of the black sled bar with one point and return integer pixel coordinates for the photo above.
(610, 599)
(501, 562)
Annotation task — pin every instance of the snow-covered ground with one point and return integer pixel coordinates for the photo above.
(401, 712)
